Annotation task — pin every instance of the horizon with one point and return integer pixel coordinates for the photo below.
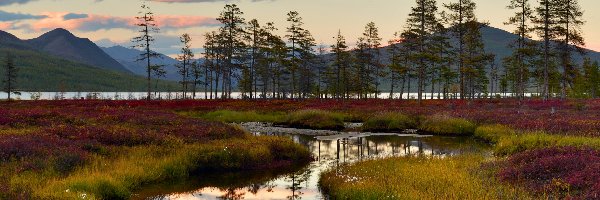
(107, 27)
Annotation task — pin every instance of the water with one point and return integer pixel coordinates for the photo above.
(170, 95)
(302, 182)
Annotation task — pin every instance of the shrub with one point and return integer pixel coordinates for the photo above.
(446, 125)
(389, 121)
(315, 119)
(563, 172)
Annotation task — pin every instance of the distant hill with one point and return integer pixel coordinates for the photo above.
(39, 71)
(128, 58)
(63, 44)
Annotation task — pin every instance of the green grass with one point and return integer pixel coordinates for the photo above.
(446, 125)
(389, 121)
(315, 119)
(417, 178)
(230, 116)
(509, 141)
(118, 177)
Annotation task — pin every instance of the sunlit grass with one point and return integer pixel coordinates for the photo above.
(389, 121)
(315, 119)
(458, 177)
(509, 141)
(117, 178)
(446, 125)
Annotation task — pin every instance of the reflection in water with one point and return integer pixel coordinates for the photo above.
(302, 182)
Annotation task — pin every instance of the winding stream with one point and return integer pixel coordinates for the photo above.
(330, 149)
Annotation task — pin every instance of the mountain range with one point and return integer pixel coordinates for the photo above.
(58, 60)
(128, 57)
(63, 44)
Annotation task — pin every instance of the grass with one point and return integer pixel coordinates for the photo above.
(315, 119)
(417, 178)
(509, 141)
(117, 178)
(389, 121)
(230, 116)
(446, 125)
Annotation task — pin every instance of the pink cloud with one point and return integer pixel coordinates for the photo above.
(6, 25)
(105, 22)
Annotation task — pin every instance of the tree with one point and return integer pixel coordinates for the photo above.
(10, 78)
(524, 50)
(570, 20)
(294, 36)
(146, 22)
(339, 81)
(545, 22)
(372, 55)
(460, 13)
(231, 39)
(185, 62)
(423, 23)
(589, 81)
(255, 38)
(196, 73)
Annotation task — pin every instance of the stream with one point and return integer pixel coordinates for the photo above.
(329, 148)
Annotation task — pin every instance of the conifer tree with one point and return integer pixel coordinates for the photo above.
(185, 63)
(231, 38)
(10, 76)
(461, 12)
(523, 48)
(146, 23)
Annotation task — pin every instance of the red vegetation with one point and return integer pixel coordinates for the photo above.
(63, 133)
(557, 117)
(568, 172)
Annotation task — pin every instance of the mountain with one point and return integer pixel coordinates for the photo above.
(497, 40)
(128, 58)
(63, 44)
(10, 41)
(39, 71)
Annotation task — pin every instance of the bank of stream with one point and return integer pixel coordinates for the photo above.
(330, 149)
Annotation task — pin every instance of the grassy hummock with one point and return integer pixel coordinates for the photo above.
(315, 119)
(446, 125)
(389, 121)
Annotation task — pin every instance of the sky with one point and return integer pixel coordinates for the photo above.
(110, 22)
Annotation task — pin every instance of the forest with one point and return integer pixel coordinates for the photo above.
(440, 51)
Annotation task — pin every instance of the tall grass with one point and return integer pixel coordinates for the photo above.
(315, 119)
(509, 141)
(117, 178)
(389, 121)
(446, 125)
(417, 178)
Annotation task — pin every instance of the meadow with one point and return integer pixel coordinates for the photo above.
(108, 149)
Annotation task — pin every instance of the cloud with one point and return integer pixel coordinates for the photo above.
(8, 2)
(200, 1)
(75, 16)
(6, 25)
(90, 23)
(7, 16)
